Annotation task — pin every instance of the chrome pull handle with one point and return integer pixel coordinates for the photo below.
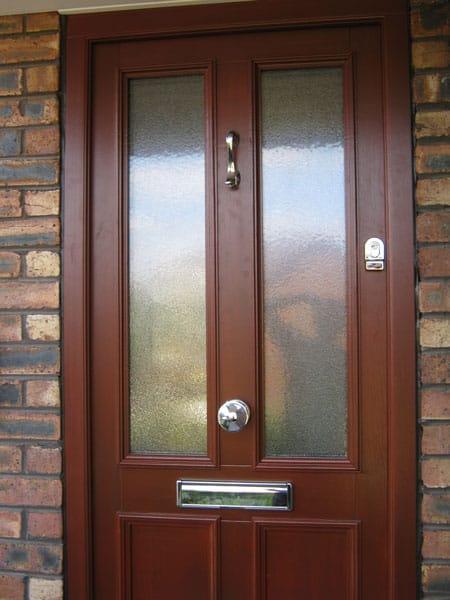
(233, 176)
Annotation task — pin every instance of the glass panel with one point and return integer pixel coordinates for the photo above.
(304, 258)
(167, 265)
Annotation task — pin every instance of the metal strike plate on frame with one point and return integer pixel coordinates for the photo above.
(251, 495)
(374, 254)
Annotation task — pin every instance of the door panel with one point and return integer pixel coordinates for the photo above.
(334, 542)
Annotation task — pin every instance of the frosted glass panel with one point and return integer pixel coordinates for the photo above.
(167, 311)
(304, 263)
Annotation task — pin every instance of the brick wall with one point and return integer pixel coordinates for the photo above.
(30, 453)
(431, 96)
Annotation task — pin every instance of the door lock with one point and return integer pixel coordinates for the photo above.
(374, 254)
(233, 415)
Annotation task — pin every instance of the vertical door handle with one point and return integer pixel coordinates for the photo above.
(233, 176)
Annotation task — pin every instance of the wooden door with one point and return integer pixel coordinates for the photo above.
(259, 292)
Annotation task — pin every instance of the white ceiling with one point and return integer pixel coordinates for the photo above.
(15, 7)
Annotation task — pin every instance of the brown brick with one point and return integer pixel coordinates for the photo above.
(435, 404)
(435, 333)
(29, 425)
(430, 54)
(43, 78)
(26, 491)
(41, 203)
(42, 393)
(11, 82)
(433, 192)
(436, 508)
(436, 579)
(436, 472)
(29, 172)
(432, 124)
(435, 367)
(29, 48)
(44, 524)
(42, 327)
(434, 296)
(10, 393)
(436, 439)
(9, 265)
(433, 227)
(10, 525)
(436, 544)
(30, 232)
(10, 203)
(434, 262)
(43, 460)
(41, 140)
(10, 328)
(432, 87)
(12, 587)
(11, 24)
(24, 295)
(42, 21)
(31, 111)
(42, 264)
(34, 558)
(24, 360)
(430, 19)
(45, 589)
(433, 159)
(10, 459)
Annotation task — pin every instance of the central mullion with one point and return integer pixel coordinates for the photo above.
(236, 259)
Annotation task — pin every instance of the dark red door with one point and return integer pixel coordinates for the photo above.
(204, 292)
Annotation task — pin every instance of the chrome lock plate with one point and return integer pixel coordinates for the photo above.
(374, 254)
(233, 415)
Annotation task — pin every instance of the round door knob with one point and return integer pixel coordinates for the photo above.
(233, 415)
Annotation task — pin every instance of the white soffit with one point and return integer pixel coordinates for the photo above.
(71, 7)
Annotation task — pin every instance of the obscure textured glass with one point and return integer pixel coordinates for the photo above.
(167, 313)
(304, 262)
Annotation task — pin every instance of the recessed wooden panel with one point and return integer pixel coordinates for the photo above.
(162, 555)
(319, 559)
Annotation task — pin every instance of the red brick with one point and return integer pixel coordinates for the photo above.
(29, 48)
(33, 558)
(434, 262)
(11, 82)
(10, 393)
(43, 78)
(21, 491)
(436, 579)
(435, 333)
(432, 87)
(24, 295)
(433, 227)
(43, 460)
(435, 367)
(430, 20)
(41, 140)
(436, 472)
(433, 192)
(27, 360)
(432, 123)
(10, 203)
(44, 525)
(42, 21)
(434, 296)
(31, 171)
(430, 53)
(433, 159)
(9, 265)
(31, 111)
(435, 404)
(10, 525)
(42, 393)
(12, 587)
(436, 439)
(10, 459)
(10, 328)
(436, 544)
(11, 24)
(436, 508)
(29, 426)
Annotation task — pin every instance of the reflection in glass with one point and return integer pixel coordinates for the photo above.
(167, 314)
(304, 262)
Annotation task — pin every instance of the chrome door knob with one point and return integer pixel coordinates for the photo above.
(233, 415)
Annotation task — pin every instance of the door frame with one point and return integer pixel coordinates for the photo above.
(82, 33)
